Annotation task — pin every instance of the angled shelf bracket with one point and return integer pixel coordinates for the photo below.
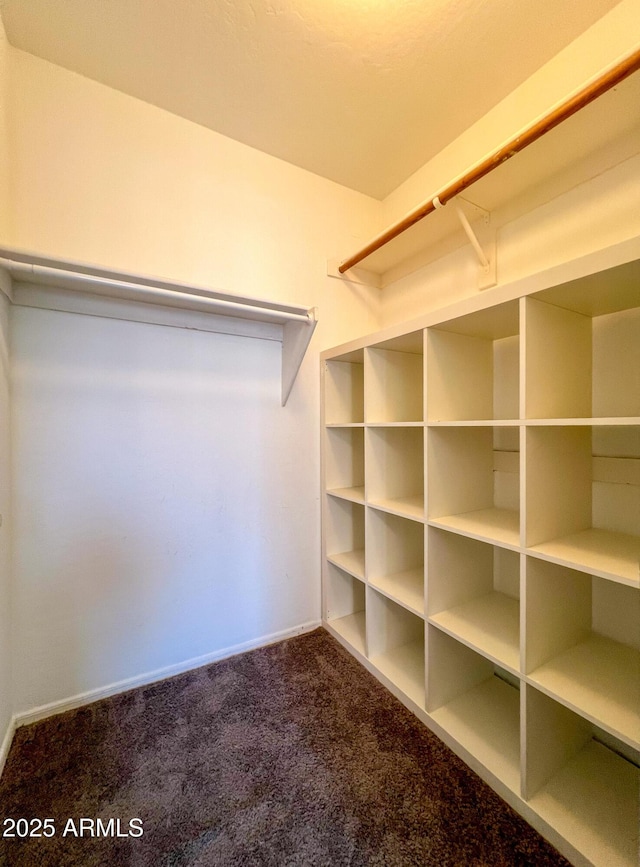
(482, 239)
(71, 287)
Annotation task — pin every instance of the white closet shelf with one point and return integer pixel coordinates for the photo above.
(72, 287)
(489, 624)
(404, 507)
(355, 495)
(593, 802)
(352, 629)
(350, 561)
(485, 721)
(404, 667)
(615, 556)
(599, 679)
(501, 526)
(406, 588)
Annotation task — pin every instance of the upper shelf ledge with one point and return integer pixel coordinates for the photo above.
(55, 284)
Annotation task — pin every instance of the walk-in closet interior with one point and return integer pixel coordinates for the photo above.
(318, 314)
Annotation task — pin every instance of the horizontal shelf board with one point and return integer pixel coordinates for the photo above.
(600, 292)
(350, 561)
(600, 552)
(352, 629)
(405, 507)
(404, 666)
(356, 495)
(340, 424)
(608, 421)
(593, 803)
(476, 422)
(394, 424)
(600, 679)
(407, 588)
(487, 525)
(485, 721)
(489, 624)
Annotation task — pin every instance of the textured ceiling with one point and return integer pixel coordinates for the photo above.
(360, 91)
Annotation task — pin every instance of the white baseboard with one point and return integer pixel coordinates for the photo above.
(46, 710)
(5, 746)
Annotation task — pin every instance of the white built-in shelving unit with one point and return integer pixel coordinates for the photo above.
(481, 537)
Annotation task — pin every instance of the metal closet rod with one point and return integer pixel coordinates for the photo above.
(138, 291)
(614, 75)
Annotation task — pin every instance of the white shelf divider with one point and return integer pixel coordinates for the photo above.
(477, 708)
(396, 645)
(396, 558)
(583, 645)
(583, 788)
(345, 606)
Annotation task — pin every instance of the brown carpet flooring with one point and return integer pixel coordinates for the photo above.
(288, 755)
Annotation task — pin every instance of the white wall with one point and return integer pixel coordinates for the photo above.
(166, 506)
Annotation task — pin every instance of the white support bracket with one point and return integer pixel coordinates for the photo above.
(485, 245)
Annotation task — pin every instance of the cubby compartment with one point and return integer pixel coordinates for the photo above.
(477, 703)
(395, 558)
(344, 535)
(582, 782)
(474, 595)
(473, 366)
(583, 645)
(344, 389)
(394, 382)
(345, 606)
(583, 498)
(396, 644)
(395, 470)
(344, 462)
(582, 348)
(474, 481)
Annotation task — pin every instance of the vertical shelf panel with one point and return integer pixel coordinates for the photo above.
(477, 708)
(616, 364)
(600, 376)
(558, 381)
(396, 558)
(473, 595)
(344, 390)
(344, 462)
(396, 645)
(394, 391)
(585, 790)
(473, 366)
(462, 491)
(395, 470)
(344, 535)
(573, 518)
(345, 603)
(583, 647)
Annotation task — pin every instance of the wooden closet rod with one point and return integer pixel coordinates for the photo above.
(592, 91)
